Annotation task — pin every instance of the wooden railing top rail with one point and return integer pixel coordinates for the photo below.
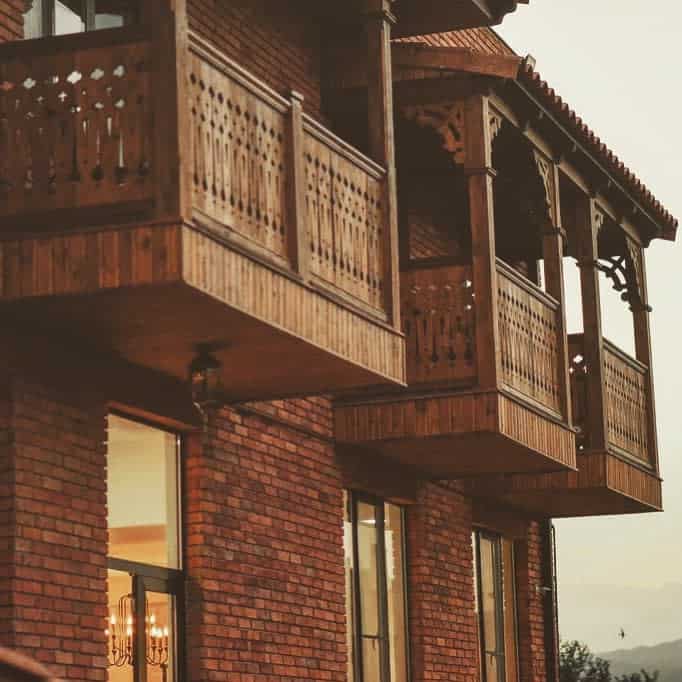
(52, 45)
(625, 357)
(528, 286)
(245, 78)
(347, 151)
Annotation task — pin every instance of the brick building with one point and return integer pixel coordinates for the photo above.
(285, 372)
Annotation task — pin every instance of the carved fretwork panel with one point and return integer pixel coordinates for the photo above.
(239, 156)
(439, 323)
(447, 120)
(625, 270)
(546, 172)
(75, 129)
(495, 124)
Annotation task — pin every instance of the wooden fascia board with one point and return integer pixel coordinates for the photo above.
(458, 59)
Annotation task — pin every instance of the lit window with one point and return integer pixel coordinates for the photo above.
(496, 606)
(144, 577)
(62, 17)
(375, 590)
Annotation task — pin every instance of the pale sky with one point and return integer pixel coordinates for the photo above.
(618, 64)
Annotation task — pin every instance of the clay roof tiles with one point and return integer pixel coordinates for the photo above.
(486, 41)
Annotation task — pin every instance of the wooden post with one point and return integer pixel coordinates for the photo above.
(171, 162)
(378, 22)
(299, 246)
(480, 174)
(553, 255)
(590, 220)
(640, 315)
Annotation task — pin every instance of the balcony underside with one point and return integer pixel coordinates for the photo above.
(152, 293)
(452, 436)
(604, 484)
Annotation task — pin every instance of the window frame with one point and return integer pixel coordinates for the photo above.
(158, 579)
(503, 602)
(49, 20)
(354, 498)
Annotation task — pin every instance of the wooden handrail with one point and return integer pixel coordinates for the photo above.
(347, 151)
(75, 42)
(532, 289)
(625, 357)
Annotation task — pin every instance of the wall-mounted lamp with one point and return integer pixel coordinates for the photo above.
(204, 379)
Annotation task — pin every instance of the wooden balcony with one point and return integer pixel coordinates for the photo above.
(447, 423)
(617, 479)
(155, 196)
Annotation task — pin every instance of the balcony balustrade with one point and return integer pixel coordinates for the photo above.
(147, 211)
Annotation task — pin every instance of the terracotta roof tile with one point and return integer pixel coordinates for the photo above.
(486, 41)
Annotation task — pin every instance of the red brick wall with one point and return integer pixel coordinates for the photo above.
(265, 548)
(440, 587)
(276, 41)
(11, 20)
(57, 529)
(532, 605)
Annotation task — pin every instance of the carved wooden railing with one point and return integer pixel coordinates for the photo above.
(344, 215)
(439, 324)
(239, 152)
(625, 398)
(75, 122)
(281, 182)
(529, 326)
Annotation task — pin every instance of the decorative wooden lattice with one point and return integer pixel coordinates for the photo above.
(75, 128)
(345, 217)
(439, 322)
(528, 332)
(626, 402)
(239, 154)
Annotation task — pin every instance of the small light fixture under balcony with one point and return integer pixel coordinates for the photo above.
(204, 378)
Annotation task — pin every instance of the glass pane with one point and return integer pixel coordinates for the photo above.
(119, 627)
(160, 630)
(69, 17)
(113, 13)
(490, 572)
(371, 660)
(142, 493)
(395, 587)
(33, 20)
(367, 550)
(510, 635)
(350, 585)
(492, 670)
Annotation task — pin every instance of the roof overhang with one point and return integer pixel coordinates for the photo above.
(417, 17)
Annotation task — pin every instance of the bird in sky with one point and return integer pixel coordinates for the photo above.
(621, 634)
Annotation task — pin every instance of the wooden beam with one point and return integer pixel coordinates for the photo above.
(589, 220)
(378, 22)
(480, 173)
(640, 315)
(461, 59)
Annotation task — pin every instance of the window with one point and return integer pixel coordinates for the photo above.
(61, 17)
(144, 576)
(496, 606)
(374, 546)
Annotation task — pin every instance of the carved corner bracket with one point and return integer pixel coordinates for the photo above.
(627, 276)
(447, 120)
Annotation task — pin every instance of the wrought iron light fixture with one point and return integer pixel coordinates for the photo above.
(204, 378)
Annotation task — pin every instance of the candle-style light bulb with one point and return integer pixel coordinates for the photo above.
(112, 620)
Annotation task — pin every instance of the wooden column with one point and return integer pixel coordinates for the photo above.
(171, 162)
(640, 315)
(553, 255)
(589, 220)
(299, 246)
(378, 22)
(480, 174)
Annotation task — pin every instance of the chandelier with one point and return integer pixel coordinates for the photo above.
(120, 633)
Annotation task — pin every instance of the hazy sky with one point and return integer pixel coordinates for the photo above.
(618, 64)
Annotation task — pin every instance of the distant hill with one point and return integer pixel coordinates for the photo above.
(666, 658)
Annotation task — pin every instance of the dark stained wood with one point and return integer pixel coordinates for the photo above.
(478, 166)
(382, 139)
(589, 220)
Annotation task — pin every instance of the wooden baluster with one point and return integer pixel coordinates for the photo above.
(589, 220)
